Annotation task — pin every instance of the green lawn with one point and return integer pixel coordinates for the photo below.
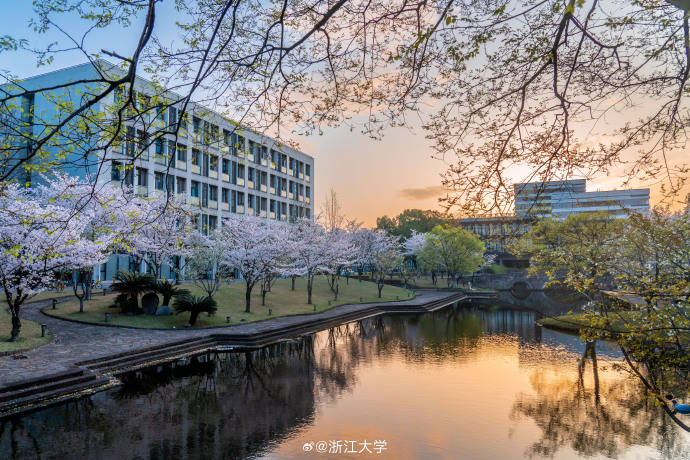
(230, 300)
(29, 337)
(572, 322)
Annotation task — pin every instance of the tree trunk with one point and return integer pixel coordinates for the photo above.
(293, 282)
(359, 274)
(166, 299)
(263, 294)
(248, 298)
(81, 304)
(193, 316)
(309, 286)
(16, 325)
(380, 287)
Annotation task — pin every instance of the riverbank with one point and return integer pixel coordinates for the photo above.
(86, 358)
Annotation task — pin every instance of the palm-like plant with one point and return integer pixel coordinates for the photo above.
(168, 290)
(195, 306)
(133, 284)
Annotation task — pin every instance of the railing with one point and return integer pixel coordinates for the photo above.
(196, 169)
(181, 165)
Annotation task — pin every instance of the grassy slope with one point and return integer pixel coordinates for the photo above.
(30, 336)
(230, 300)
(572, 322)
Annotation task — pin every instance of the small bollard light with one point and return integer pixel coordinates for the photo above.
(43, 329)
(227, 319)
(397, 297)
(408, 293)
(104, 292)
(107, 317)
(54, 303)
(270, 311)
(329, 303)
(314, 307)
(360, 300)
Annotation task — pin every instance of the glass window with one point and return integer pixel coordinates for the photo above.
(196, 157)
(195, 189)
(181, 185)
(159, 180)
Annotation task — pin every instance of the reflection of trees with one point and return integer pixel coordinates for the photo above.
(216, 405)
(594, 416)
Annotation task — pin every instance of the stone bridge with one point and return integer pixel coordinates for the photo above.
(517, 289)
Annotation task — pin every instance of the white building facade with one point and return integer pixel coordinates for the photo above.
(560, 199)
(211, 163)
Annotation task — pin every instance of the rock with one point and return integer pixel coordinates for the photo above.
(164, 311)
(149, 303)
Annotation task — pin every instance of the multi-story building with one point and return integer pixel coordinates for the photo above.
(206, 160)
(559, 199)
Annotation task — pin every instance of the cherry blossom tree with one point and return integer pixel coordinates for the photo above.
(308, 250)
(161, 231)
(42, 232)
(339, 252)
(385, 257)
(253, 246)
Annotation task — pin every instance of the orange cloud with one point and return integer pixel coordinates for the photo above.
(422, 193)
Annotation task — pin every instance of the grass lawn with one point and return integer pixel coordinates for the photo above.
(572, 322)
(29, 337)
(230, 300)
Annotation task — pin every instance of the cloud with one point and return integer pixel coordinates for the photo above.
(422, 193)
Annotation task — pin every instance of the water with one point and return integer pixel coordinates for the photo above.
(466, 384)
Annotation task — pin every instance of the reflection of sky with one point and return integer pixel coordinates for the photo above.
(573, 344)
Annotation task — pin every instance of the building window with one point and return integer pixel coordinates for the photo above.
(226, 166)
(212, 222)
(213, 193)
(116, 171)
(159, 181)
(182, 153)
(142, 176)
(213, 163)
(225, 195)
(196, 157)
(195, 189)
(181, 185)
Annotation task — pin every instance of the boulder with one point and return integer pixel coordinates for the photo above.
(164, 311)
(149, 303)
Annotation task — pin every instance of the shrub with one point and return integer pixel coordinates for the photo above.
(132, 285)
(168, 290)
(194, 305)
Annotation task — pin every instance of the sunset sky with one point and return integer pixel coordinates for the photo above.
(371, 177)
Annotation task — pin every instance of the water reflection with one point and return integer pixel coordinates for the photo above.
(460, 383)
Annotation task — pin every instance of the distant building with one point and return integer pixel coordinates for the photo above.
(560, 199)
(557, 199)
(497, 233)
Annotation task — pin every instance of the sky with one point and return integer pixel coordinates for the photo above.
(371, 177)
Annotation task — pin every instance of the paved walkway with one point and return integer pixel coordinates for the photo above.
(75, 342)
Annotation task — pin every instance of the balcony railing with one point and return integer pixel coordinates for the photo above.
(240, 181)
(283, 193)
(212, 204)
(213, 174)
(225, 206)
(263, 213)
(273, 190)
(181, 165)
(226, 177)
(239, 209)
(263, 187)
(196, 169)
(250, 183)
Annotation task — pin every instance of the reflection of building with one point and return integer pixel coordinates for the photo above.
(498, 232)
(563, 198)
